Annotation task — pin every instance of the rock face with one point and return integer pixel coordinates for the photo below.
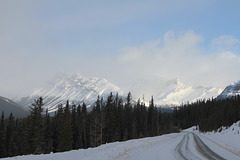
(8, 107)
(230, 91)
(74, 88)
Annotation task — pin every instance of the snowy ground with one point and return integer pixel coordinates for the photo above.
(187, 145)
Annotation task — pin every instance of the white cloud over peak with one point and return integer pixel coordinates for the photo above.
(174, 55)
(181, 56)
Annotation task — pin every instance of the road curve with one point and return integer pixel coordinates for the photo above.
(183, 151)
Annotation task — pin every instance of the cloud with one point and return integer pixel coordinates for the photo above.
(227, 55)
(175, 55)
(225, 41)
(180, 56)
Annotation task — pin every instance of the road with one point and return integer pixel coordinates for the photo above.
(176, 146)
(183, 146)
(184, 151)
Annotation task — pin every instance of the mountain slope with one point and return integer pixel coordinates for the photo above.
(231, 90)
(80, 89)
(9, 106)
(74, 88)
(174, 92)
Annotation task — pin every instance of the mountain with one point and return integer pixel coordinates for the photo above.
(231, 90)
(9, 106)
(80, 89)
(174, 93)
(74, 88)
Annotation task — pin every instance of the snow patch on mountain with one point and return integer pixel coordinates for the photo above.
(76, 89)
(175, 93)
(230, 91)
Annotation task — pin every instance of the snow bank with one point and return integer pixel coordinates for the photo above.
(226, 137)
(138, 149)
(192, 129)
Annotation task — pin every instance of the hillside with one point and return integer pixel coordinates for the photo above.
(77, 89)
(230, 91)
(9, 106)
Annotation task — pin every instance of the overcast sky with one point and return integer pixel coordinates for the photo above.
(126, 42)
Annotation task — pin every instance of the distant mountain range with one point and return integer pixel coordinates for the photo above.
(8, 106)
(78, 89)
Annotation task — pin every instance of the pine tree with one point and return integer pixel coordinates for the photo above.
(109, 120)
(95, 129)
(74, 126)
(35, 135)
(57, 128)
(128, 117)
(47, 133)
(66, 139)
(151, 118)
(86, 129)
(10, 135)
(2, 137)
(79, 128)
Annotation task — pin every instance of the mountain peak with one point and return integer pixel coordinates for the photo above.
(176, 82)
(231, 90)
(75, 88)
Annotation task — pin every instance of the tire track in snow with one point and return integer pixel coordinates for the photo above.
(205, 150)
(182, 151)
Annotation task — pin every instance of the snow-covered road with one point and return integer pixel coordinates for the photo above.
(186, 145)
(185, 151)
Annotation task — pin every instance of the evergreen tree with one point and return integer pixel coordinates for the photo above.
(85, 130)
(120, 120)
(79, 128)
(128, 117)
(109, 120)
(95, 128)
(66, 139)
(2, 137)
(74, 127)
(151, 118)
(35, 135)
(57, 128)
(10, 136)
(47, 133)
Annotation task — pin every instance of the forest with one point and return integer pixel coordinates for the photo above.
(73, 127)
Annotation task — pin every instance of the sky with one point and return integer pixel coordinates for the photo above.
(126, 42)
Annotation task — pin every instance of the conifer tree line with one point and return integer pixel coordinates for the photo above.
(208, 114)
(72, 127)
(110, 120)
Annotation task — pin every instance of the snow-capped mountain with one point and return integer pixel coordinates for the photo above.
(80, 89)
(174, 93)
(180, 93)
(74, 88)
(231, 90)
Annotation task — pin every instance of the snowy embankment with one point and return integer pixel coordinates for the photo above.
(189, 144)
(225, 138)
(132, 149)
